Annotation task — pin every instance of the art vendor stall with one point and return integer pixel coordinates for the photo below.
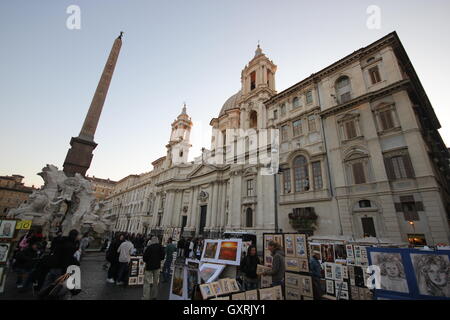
(136, 271)
(10, 232)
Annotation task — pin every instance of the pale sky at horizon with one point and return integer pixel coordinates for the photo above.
(175, 51)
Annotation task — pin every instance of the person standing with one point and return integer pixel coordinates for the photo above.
(248, 268)
(24, 265)
(153, 256)
(112, 256)
(125, 250)
(316, 273)
(169, 250)
(180, 247)
(278, 267)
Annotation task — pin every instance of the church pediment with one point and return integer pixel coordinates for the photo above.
(202, 170)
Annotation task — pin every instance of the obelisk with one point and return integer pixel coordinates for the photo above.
(79, 156)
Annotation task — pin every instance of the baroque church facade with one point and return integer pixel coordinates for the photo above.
(351, 152)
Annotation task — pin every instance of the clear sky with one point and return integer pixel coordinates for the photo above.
(175, 51)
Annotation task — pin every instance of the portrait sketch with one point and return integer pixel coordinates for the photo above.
(392, 271)
(7, 228)
(432, 273)
(4, 250)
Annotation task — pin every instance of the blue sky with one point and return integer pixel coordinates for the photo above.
(175, 51)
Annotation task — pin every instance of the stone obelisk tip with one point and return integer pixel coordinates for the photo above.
(120, 36)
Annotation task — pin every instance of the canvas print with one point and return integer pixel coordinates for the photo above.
(289, 246)
(177, 280)
(393, 276)
(303, 265)
(206, 291)
(432, 273)
(306, 286)
(300, 246)
(4, 250)
(330, 287)
(327, 251)
(292, 264)
(292, 293)
(251, 295)
(292, 280)
(210, 250)
(7, 228)
(210, 271)
(238, 296)
(230, 251)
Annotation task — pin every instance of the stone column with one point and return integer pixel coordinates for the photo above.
(194, 210)
(168, 210)
(215, 209)
(235, 204)
(210, 208)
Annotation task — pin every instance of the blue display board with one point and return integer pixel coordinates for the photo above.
(411, 273)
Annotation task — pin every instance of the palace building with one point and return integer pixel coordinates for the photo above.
(359, 156)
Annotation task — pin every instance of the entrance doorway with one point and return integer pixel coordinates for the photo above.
(202, 219)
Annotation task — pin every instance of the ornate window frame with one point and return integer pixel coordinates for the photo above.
(381, 107)
(347, 117)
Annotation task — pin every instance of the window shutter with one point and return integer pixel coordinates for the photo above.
(408, 166)
(389, 169)
(358, 173)
(350, 129)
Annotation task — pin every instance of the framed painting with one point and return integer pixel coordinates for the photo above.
(292, 264)
(229, 252)
(7, 228)
(266, 294)
(306, 286)
(233, 285)
(206, 291)
(343, 295)
(393, 276)
(210, 251)
(342, 284)
(304, 265)
(330, 287)
(277, 292)
(265, 281)
(192, 276)
(354, 293)
(329, 271)
(268, 259)
(177, 285)
(340, 252)
(337, 272)
(289, 245)
(251, 295)
(267, 239)
(224, 284)
(292, 280)
(292, 293)
(210, 271)
(238, 296)
(278, 238)
(216, 288)
(349, 250)
(4, 251)
(300, 246)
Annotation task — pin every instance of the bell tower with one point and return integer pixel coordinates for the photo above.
(179, 143)
(258, 74)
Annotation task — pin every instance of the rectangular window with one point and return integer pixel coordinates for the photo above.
(297, 128)
(350, 129)
(284, 133)
(312, 123)
(275, 114)
(283, 110)
(250, 188)
(252, 80)
(287, 180)
(317, 175)
(399, 167)
(374, 75)
(368, 227)
(309, 98)
(386, 120)
(358, 173)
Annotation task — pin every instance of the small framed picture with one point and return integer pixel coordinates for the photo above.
(277, 292)
(132, 281)
(337, 272)
(344, 272)
(233, 285)
(265, 281)
(140, 280)
(344, 295)
(7, 228)
(330, 287)
(292, 293)
(268, 258)
(267, 239)
(304, 265)
(292, 264)
(216, 288)
(289, 245)
(329, 271)
(206, 291)
(238, 296)
(300, 246)
(306, 286)
(278, 238)
(224, 284)
(343, 284)
(4, 251)
(292, 280)
(266, 294)
(354, 292)
(251, 295)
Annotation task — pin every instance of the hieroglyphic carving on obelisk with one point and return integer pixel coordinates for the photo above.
(79, 156)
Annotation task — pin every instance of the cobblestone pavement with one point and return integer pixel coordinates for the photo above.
(93, 284)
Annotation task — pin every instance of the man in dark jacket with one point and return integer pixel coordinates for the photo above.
(24, 265)
(180, 247)
(112, 256)
(278, 266)
(153, 256)
(316, 273)
(248, 268)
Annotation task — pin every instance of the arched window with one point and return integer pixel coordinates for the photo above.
(249, 218)
(301, 179)
(253, 119)
(343, 89)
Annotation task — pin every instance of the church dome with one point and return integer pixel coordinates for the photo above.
(231, 103)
